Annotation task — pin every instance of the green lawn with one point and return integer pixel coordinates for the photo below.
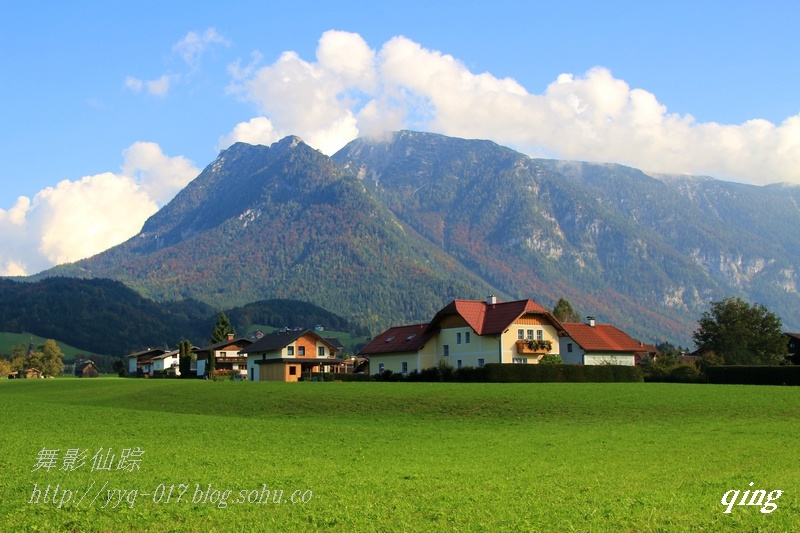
(401, 456)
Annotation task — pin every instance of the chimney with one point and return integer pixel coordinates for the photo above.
(491, 299)
(230, 336)
(591, 320)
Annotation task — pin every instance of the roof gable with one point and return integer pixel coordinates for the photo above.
(491, 319)
(602, 338)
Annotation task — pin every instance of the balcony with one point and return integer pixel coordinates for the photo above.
(534, 346)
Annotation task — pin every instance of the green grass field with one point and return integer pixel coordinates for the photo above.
(399, 456)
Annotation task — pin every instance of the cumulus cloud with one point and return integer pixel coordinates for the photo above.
(353, 90)
(160, 176)
(258, 130)
(77, 219)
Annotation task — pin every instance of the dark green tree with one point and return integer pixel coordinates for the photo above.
(118, 366)
(564, 312)
(741, 333)
(222, 329)
(185, 356)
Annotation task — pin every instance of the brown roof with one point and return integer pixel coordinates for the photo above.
(491, 319)
(398, 339)
(603, 338)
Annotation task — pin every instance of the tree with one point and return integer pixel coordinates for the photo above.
(222, 329)
(51, 357)
(741, 333)
(185, 358)
(118, 366)
(5, 367)
(564, 312)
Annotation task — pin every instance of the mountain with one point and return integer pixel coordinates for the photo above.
(285, 222)
(387, 231)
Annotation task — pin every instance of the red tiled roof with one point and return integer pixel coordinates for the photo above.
(484, 318)
(603, 338)
(398, 339)
(491, 319)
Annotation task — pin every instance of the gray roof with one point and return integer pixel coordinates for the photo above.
(279, 340)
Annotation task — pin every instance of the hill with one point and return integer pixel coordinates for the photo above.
(103, 316)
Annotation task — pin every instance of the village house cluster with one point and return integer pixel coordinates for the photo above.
(464, 333)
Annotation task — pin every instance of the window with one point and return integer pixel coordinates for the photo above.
(290, 350)
(458, 338)
(521, 334)
(446, 350)
(539, 335)
(466, 337)
(223, 354)
(301, 350)
(530, 334)
(520, 361)
(321, 351)
(481, 362)
(458, 363)
(404, 367)
(569, 347)
(380, 368)
(292, 370)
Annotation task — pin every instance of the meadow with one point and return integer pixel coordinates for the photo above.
(395, 456)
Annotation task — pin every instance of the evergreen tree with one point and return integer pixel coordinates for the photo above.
(222, 329)
(185, 358)
(564, 312)
(741, 333)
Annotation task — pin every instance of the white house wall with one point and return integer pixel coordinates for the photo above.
(610, 359)
(574, 357)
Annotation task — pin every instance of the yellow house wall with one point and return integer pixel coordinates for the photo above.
(525, 323)
(394, 362)
(479, 347)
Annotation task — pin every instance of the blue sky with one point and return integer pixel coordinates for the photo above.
(109, 108)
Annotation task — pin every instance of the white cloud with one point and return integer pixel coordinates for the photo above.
(134, 84)
(77, 219)
(161, 86)
(258, 130)
(192, 47)
(353, 90)
(160, 176)
(314, 100)
(158, 87)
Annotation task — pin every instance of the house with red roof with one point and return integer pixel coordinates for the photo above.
(598, 344)
(468, 333)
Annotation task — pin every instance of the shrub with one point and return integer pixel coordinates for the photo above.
(551, 359)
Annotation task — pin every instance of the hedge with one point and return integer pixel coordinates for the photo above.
(502, 373)
(754, 375)
(331, 376)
